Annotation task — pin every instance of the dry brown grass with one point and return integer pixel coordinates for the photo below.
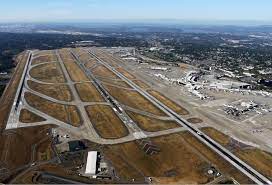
(18, 144)
(169, 103)
(141, 84)
(195, 120)
(58, 170)
(115, 82)
(66, 113)
(216, 160)
(75, 73)
(102, 71)
(7, 148)
(65, 55)
(8, 95)
(44, 151)
(88, 93)
(218, 136)
(108, 57)
(85, 57)
(29, 117)
(258, 159)
(59, 92)
(104, 56)
(176, 156)
(106, 122)
(110, 61)
(43, 52)
(51, 73)
(150, 124)
(133, 99)
(125, 73)
(91, 63)
(45, 58)
(78, 50)
(181, 154)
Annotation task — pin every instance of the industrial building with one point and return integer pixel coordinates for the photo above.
(91, 164)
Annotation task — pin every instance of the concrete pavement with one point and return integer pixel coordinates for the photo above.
(223, 152)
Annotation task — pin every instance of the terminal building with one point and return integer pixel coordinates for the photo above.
(230, 85)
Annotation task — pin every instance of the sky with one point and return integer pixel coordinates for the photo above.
(85, 10)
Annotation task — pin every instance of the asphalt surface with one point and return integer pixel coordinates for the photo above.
(87, 131)
(220, 150)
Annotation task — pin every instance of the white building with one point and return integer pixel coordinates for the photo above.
(159, 68)
(91, 164)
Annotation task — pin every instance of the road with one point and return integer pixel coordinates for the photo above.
(220, 150)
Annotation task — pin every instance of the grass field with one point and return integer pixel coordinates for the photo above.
(51, 73)
(29, 117)
(91, 63)
(85, 57)
(215, 159)
(44, 152)
(66, 55)
(66, 113)
(50, 57)
(119, 82)
(218, 136)
(75, 73)
(175, 163)
(125, 73)
(59, 92)
(195, 120)
(7, 98)
(182, 160)
(106, 122)
(43, 52)
(31, 176)
(18, 145)
(141, 84)
(88, 93)
(101, 71)
(169, 103)
(8, 149)
(107, 58)
(134, 100)
(258, 159)
(150, 124)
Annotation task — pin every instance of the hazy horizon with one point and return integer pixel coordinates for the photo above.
(173, 22)
(188, 11)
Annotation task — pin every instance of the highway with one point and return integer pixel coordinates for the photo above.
(220, 150)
